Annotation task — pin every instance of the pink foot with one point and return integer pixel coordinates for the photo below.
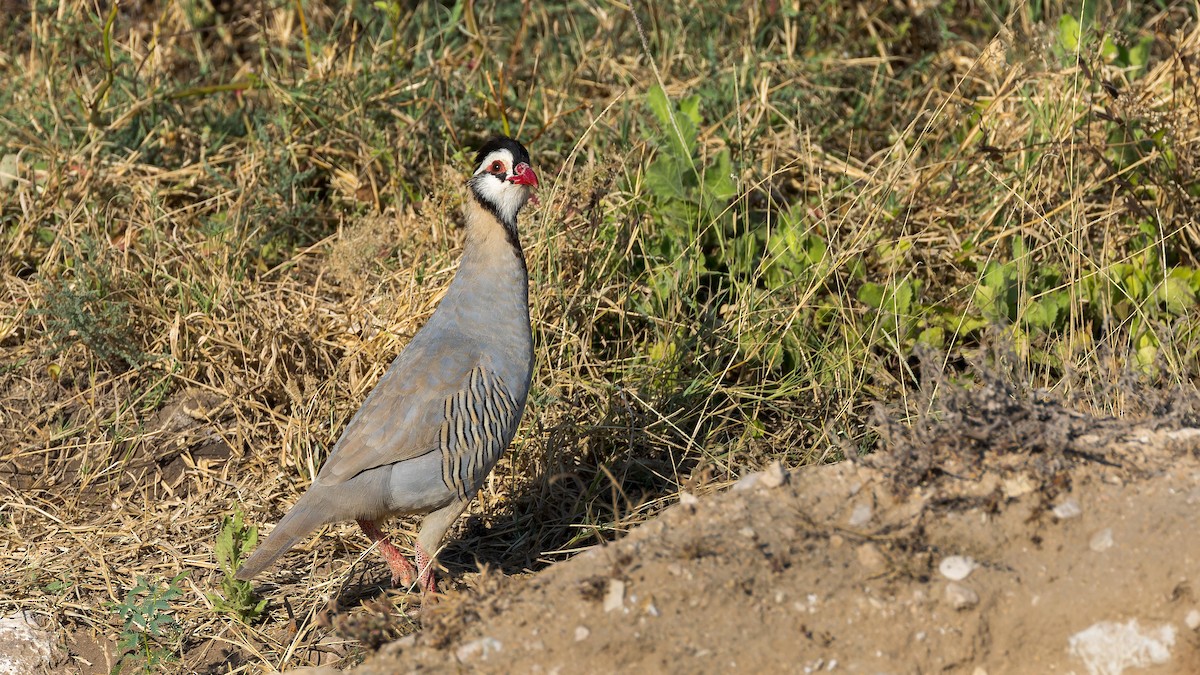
(426, 578)
(403, 572)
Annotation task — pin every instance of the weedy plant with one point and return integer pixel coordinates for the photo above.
(150, 636)
(237, 598)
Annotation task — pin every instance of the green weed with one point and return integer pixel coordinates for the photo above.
(96, 318)
(237, 597)
(150, 633)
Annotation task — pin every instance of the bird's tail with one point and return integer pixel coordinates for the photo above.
(302, 519)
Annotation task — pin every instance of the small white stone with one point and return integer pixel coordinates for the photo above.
(1192, 620)
(1102, 540)
(481, 648)
(615, 599)
(747, 482)
(1068, 508)
(581, 633)
(748, 532)
(1110, 647)
(960, 597)
(861, 515)
(651, 609)
(1017, 487)
(871, 558)
(957, 567)
(774, 476)
(688, 499)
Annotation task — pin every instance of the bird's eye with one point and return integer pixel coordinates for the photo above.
(497, 167)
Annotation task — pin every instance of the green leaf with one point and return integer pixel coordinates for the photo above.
(1042, 314)
(1139, 54)
(718, 179)
(664, 179)
(1109, 49)
(658, 101)
(905, 292)
(682, 141)
(1068, 33)
(1176, 294)
(871, 294)
(934, 336)
(690, 107)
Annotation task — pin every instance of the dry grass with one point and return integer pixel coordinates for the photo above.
(212, 248)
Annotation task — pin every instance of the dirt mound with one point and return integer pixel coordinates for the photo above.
(1001, 537)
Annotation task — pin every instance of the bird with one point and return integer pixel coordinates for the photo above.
(438, 419)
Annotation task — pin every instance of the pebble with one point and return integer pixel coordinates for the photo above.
(615, 599)
(688, 500)
(1017, 487)
(871, 558)
(1111, 647)
(748, 532)
(1102, 540)
(1069, 508)
(861, 515)
(957, 567)
(774, 476)
(1192, 620)
(481, 648)
(960, 597)
(746, 482)
(581, 633)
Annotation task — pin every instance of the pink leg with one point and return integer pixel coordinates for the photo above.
(426, 577)
(402, 570)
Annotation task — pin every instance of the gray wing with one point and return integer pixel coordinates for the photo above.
(403, 416)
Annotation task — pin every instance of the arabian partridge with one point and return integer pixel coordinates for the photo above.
(438, 419)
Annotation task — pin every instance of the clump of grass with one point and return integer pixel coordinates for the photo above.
(99, 321)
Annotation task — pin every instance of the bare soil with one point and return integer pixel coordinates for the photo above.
(1080, 534)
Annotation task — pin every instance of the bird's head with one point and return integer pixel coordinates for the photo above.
(503, 179)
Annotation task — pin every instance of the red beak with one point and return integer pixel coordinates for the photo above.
(523, 175)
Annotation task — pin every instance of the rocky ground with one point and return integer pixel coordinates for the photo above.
(1002, 538)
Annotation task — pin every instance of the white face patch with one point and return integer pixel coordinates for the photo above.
(491, 183)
